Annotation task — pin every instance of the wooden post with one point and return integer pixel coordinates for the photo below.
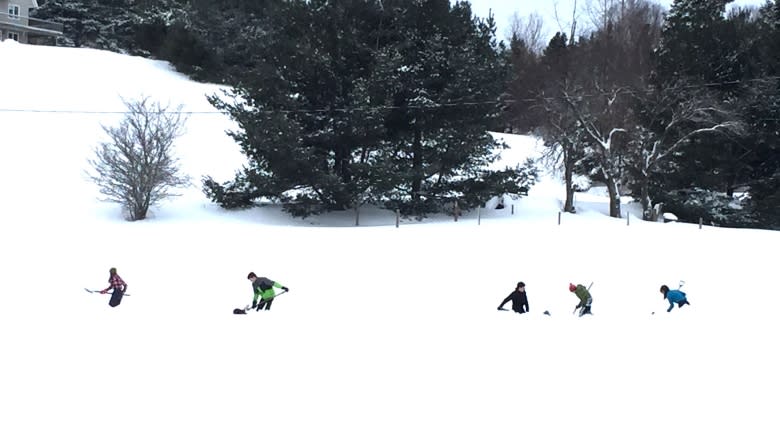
(628, 218)
(701, 220)
(479, 215)
(513, 209)
(397, 218)
(455, 210)
(559, 218)
(357, 215)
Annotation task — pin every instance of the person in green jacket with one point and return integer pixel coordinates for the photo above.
(583, 294)
(263, 288)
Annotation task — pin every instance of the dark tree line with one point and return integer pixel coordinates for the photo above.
(369, 101)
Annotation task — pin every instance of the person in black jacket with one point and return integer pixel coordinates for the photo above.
(519, 299)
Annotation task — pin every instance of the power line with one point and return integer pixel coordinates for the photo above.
(304, 111)
(433, 105)
(34, 110)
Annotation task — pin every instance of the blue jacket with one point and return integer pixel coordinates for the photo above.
(674, 296)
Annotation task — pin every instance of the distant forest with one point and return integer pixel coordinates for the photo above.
(342, 103)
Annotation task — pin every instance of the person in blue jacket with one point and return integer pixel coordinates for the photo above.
(674, 296)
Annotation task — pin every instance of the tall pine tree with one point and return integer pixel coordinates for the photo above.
(443, 73)
(305, 131)
(366, 101)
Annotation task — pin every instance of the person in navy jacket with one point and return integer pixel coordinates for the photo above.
(519, 299)
(674, 296)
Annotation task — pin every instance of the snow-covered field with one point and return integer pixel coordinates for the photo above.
(386, 332)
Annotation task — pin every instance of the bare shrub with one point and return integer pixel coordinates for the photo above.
(136, 166)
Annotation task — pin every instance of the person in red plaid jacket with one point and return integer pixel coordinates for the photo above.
(118, 285)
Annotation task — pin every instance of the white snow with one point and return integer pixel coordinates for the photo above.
(669, 216)
(386, 332)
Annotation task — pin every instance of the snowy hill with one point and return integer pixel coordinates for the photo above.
(386, 332)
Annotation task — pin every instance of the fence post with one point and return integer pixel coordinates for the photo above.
(397, 218)
(513, 209)
(357, 215)
(455, 210)
(479, 215)
(700, 222)
(559, 218)
(628, 218)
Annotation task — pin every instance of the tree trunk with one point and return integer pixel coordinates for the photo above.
(568, 165)
(342, 157)
(417, 161)
(614, 198)
(644, 198)
(656, 212)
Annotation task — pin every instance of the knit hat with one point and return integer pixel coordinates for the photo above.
(520, 284)
(112, 270)
(251, 275)
(572, 287)
(664, 289)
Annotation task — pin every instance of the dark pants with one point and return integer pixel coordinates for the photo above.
(265, 304)
(586, 307)
(116, 297)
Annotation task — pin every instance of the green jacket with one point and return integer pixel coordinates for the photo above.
(264, 288)
(582, 293)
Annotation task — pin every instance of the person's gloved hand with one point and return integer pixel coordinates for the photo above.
(285, 289)
(103, 291)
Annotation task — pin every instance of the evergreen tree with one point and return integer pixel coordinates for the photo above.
(704, 49)
(559, 128)
(691, 43)
(314, 124)
(727, 55)
(80, 25)
(443, 72)
(231, 35)
(366, 101)
(116, 25)
(762, 112)
(523, 83)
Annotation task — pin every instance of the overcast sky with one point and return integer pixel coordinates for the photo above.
(504, 9)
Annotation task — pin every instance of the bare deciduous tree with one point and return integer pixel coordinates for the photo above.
(605, 67)
(676, 115)
(572, 24)
(136, 166)
(528, 29)
(602, 117)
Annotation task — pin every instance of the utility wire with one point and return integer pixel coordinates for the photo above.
(384, 107)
